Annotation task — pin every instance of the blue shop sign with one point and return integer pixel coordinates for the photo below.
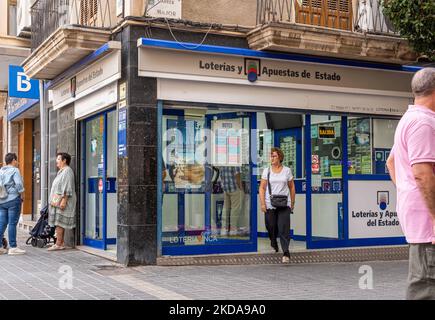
(20, 85)
(122, 132)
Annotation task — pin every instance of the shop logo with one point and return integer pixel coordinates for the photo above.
(383, 199)
(252, 69)
(20, 85)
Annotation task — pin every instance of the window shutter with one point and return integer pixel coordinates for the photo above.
(88, 12)
(327, 13)
(338, 14)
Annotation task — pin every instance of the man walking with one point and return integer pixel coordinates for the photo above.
(412, 168)
(10, 205)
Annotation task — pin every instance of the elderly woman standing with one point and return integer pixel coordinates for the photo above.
(62, 208)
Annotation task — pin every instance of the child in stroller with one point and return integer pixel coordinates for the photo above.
(42, 234)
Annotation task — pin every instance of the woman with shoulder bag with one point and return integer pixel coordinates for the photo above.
(62, 208)
(277, 197)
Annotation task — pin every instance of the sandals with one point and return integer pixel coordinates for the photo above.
(55, 247)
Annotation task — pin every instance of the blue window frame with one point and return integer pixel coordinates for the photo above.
(211, 245)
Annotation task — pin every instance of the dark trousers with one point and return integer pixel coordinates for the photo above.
(278, 225)
(421, 277)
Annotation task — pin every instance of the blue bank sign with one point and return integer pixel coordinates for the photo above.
(20, 85)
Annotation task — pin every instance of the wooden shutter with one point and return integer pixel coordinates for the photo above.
(310, 12)
(88, 12)
(326, 13)
(339, 14)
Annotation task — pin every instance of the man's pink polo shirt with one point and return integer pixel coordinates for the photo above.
(414, 142)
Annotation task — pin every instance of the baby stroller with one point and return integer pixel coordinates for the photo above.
(42, 234)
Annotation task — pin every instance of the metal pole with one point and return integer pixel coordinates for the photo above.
(43, 111)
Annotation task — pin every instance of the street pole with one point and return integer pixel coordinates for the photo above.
(44, 143)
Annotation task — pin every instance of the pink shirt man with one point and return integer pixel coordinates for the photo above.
(414, 142)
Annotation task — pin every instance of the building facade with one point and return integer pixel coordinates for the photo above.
(19, 109)
(170, 110)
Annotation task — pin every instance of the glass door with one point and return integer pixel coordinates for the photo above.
(290, 142)
(327, 156)
(100, 165)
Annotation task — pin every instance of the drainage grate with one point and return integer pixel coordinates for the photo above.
(309, 256)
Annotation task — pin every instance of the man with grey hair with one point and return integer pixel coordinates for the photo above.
(412, 168)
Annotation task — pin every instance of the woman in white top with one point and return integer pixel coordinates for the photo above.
(277, 220)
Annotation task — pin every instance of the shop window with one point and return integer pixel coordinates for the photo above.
(369, 144)
(265, 144)
(383, 140)
(359, 146)
(326, 147)
(206, 177)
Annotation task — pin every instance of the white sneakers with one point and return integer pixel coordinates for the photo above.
(16, 251)
(285, 259)
(3, 251)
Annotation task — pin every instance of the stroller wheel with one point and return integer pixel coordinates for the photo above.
(34, 242)
(40, 243)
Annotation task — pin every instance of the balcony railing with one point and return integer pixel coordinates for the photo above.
(49, 15)
(363, 16)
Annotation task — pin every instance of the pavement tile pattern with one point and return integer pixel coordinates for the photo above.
(76, 275)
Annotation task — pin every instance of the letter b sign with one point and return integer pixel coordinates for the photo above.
(20, 85)
(23, 82)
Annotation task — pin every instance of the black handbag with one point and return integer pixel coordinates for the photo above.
(277, 201)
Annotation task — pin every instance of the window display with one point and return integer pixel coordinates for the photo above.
(359, 146)
(326, 150)
(206, 192)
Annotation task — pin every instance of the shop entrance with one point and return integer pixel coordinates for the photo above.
(213, 167)
(99, 172)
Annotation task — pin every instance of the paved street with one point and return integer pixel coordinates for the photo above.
(45, 275)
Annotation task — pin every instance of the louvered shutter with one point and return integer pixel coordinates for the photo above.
(339, 14)
(88, 12)
(326, 13)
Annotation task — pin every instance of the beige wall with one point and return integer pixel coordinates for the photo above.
(240, 12)
(3, 13)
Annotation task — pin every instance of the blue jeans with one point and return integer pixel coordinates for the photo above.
(9, 215)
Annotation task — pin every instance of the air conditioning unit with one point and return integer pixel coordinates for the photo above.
(24, 20)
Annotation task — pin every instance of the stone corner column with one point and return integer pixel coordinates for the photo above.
(137, 172)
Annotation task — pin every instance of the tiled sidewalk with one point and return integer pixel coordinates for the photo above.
(40, 274)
